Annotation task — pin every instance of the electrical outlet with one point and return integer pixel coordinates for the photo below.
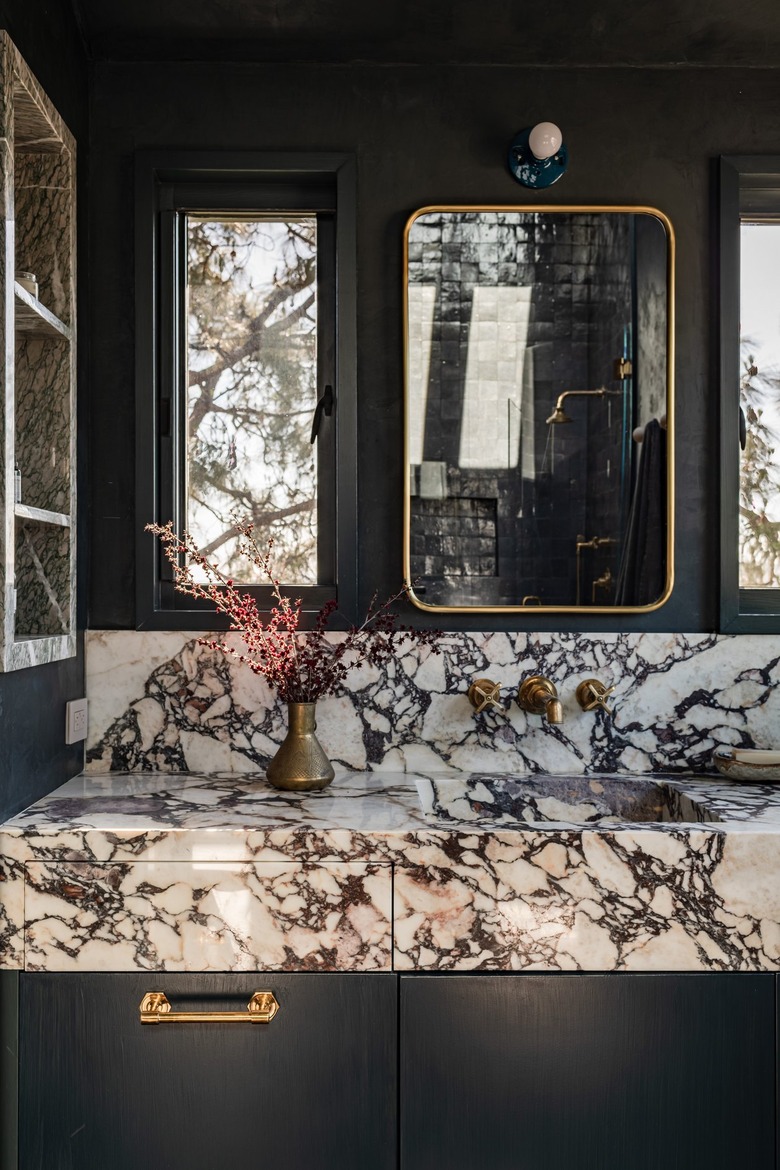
(76, 720)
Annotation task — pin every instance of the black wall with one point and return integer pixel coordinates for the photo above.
(426, 135)
(33, 756)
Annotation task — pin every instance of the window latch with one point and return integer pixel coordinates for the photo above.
(324, 406)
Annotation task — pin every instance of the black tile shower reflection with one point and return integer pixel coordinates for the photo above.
(561, 484)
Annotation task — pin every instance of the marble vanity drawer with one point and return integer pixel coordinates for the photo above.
(11, 909)
(177, 916)
(628, 901)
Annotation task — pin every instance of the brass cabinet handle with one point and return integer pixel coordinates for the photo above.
(155, 1008)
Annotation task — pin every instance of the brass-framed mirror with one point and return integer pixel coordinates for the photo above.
(539, 409)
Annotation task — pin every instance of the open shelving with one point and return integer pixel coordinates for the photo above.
(37, 164)
(34, 319)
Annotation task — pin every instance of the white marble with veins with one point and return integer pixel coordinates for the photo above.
(163, 702)
(222, 872)
(207, 916)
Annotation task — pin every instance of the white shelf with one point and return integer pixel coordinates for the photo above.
(41, 516)
(35, 319)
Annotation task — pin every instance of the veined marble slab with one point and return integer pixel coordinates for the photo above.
(207, 916)
(12, 849)
(163, 702)
(195, 872)
(621, 901)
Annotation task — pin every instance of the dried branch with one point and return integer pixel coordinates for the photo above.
(301, 666)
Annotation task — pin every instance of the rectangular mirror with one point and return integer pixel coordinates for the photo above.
(539, 408)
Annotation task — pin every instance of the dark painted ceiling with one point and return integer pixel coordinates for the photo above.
(511, 32)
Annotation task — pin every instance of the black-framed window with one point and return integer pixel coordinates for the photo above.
(245, 326)
(750, 393)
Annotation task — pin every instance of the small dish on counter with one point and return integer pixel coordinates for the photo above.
(751, 765)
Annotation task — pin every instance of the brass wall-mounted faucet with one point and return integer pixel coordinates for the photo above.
(484, 693)
(592, 694)
(538, 696)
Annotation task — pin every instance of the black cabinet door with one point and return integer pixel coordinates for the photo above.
(313, 1090)
(587, 1072)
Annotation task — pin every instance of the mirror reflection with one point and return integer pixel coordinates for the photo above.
(537, 393)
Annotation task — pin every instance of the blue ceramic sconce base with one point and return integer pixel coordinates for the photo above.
(532, 171)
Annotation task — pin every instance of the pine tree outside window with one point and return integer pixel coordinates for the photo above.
(246, 342)
(750, 393)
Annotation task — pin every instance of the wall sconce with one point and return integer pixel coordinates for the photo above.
(537, 156)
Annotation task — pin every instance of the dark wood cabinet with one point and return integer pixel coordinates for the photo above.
(587, 1072)
(313, 1090)
(497, 1072)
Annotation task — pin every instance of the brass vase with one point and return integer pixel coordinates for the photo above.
(300, 765)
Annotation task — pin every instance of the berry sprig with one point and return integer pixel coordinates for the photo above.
(301, 665)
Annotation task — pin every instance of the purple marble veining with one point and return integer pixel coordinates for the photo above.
(163, 702)
(222, 872)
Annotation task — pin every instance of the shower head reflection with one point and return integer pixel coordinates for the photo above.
(559, 415)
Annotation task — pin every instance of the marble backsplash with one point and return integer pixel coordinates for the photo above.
(161, 701)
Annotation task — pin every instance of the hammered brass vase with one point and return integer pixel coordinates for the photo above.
(300, 765)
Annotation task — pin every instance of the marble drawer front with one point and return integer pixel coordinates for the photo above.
(181, 916)
(591, 902)
(11, 909)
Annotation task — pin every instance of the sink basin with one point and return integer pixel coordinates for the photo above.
(561, 800)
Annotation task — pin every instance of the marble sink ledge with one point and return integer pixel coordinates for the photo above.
(195, 872)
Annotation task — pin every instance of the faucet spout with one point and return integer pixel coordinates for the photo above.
(554, 711)
(538, 696)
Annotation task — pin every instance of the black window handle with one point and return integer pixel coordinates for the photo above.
(324, 406)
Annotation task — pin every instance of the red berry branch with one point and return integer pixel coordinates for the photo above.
(302, 665)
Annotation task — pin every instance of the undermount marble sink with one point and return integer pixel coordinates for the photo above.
(560, 800)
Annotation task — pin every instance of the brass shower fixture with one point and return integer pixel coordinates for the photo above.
(559, 415)
(605, 582)
(595, 542)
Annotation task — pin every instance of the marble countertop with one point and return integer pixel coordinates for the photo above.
(454, 894)
(132, 805)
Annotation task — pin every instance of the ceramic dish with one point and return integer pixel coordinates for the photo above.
(753, 767)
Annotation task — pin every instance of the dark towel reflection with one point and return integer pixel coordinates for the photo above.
(642, 575)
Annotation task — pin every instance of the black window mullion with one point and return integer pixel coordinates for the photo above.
(165, 404)
(326, 376)
(180, 373)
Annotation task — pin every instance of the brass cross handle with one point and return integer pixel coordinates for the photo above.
(592, 694)
(484, 693)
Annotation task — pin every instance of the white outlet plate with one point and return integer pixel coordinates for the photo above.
(76, 720)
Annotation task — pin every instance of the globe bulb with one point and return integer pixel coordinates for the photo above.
(545, 140)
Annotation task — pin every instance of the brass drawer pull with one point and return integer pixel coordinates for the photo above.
(156, 1009)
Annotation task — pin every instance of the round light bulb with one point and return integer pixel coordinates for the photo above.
(545, 140)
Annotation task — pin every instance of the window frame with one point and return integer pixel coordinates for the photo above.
(223, 179)
(749, 183)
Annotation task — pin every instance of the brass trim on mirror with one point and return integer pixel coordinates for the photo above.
(535, 610)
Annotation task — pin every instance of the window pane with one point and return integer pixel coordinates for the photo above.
(252, 389)
(759, 519)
